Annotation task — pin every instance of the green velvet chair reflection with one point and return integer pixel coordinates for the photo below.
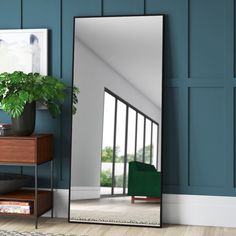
(144, 182)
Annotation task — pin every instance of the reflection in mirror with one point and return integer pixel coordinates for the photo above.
(116, 134)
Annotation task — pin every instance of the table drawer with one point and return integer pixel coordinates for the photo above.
(29, 150)
(18, 151)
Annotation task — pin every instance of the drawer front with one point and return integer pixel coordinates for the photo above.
(19, 151)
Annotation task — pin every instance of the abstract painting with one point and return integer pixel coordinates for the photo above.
(24, 50)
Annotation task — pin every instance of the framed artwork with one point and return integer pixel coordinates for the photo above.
(24, 50)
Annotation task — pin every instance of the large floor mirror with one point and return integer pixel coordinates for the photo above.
(117, 130)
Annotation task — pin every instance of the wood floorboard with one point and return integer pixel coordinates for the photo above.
(61, 226)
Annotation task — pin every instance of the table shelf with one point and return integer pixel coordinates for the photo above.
(29, 151)
(44, 200)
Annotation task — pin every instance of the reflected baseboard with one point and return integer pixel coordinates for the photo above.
(85, 192)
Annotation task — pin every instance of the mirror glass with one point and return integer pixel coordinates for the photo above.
(116, 132)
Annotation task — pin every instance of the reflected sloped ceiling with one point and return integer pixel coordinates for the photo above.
(132, 48)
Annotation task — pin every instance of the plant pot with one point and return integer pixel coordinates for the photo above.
(25, 124)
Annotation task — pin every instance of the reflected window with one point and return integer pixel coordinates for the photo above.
(107, 145)
(119, 161)
(140, 146)
(155, 145)
(128, 135)
(148, 134)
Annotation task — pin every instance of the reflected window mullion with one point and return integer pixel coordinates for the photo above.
(126, 146)
(147, 147)
(114, 149)
(136, 136)
(120, 148)
(151, 147)
(144, 137)
(157, 146)
(107, 144)
(140, 138)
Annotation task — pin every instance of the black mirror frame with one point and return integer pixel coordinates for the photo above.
(162, 120)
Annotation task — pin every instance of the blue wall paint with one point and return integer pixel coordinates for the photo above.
(207, 38)
(10, 10)
(200, 73)
(206, 112)
(51, 18)
(174, 135)
(123, 7)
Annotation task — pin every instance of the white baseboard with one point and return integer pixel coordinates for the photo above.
(61, 200)
(199, 210)
(177, 209)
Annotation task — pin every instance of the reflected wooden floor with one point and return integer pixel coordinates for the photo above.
(61, 226)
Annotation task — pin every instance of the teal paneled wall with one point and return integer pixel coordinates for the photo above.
(10, 14)
(207, 33)
(206, 163)
(50, 19)
(123, 7)
(200, 73)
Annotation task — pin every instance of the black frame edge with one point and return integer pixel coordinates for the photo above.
(162, 121)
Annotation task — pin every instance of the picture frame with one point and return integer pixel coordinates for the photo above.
(27, 48)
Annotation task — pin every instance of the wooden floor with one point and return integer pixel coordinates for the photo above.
(57, 226)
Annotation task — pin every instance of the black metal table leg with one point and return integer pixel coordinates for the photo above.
(36, 195)
(52, 188)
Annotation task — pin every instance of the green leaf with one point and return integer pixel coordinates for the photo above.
(18, 88)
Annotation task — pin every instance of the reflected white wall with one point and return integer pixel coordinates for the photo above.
(91, 75)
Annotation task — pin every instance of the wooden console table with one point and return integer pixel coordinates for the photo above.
(29, 151)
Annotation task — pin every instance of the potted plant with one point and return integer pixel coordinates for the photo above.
(19, 93)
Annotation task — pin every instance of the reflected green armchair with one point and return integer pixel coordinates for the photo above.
(143, 180)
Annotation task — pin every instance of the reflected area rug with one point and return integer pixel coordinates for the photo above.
(116, 210)
(15, 233)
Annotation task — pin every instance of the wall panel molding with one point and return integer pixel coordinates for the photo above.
(189, 39)
(207, 38)
(233, 161)
(206, 137)
(234, 38)
(175, 124)
(61, 33)
(144, 7)
(21, 14)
